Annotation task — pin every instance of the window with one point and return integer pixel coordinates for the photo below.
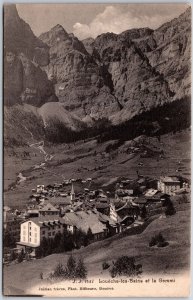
(43, 232)
(30, 233)
(24, 232)
(53, 233)
(35, 240)
(35, 229)
(49, 233)
(35, 235)
(30, 240)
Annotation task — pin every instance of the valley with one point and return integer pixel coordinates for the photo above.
(97, 152)
(84, 159)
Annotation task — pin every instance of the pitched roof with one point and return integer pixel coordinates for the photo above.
(140, 200)
(60, 200)
(101, 205)
(169, 179)
(104, 218)
(49, 207)
(151, 192)
(46, 220)
(84, 220)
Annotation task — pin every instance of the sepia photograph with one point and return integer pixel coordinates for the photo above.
(96, 149)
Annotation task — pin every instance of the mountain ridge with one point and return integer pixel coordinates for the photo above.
(114, 76)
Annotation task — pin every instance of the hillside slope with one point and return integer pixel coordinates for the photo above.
(160, 261)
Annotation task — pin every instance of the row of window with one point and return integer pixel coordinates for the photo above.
(43, 232)
(24, 233)
(35, 240)
(24, 227)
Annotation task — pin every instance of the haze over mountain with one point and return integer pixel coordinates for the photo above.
(115, 76)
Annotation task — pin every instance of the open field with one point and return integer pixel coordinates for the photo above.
(170, 260)
(89, 159)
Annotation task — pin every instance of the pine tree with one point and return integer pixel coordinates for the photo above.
(21, 256)
(144, 212)
(13, 256)
(89, 235)
(59, 270)
(38, 252)
(81, 271)
(44, 246)
(71, 266)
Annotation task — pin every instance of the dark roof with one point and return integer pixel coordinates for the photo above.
(49, 207)
(45, 220)
(101, 205)
(140, 200)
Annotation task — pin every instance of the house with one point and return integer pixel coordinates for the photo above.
(33, 230)
(169, 184)
(60, 201)
(102, 207)
(111, 225)
(83, 220)
(125, 214)
(32, 213)
(140, 201)
(49, 210)
(150, 192)
(156, 197)
(40, 188)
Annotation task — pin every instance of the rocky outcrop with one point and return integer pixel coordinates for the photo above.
(172, 55)
(24, 57)
(115, 76)
(80, 83)
(148, 68)
(137, 85)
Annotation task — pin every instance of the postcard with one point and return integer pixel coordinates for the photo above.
(97, 135)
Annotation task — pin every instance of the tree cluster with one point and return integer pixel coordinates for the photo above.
(63, 242)
(74, 269)
(125, 266)
(158, 240)
(9, 240)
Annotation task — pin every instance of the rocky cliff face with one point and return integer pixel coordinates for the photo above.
(148, 68)
(116, 76)
(24, 57)
(172, 55)
(81, 84)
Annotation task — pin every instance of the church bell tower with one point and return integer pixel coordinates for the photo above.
(72, 193)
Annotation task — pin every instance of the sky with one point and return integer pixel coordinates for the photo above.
(90, 20)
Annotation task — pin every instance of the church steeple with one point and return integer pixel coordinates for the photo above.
(72, 193)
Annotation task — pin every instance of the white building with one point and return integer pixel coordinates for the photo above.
(33, 230)
(40, 188)
(169, 185)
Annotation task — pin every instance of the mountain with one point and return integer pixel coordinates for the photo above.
(108, 81)
(81, 84)
(24, 56)
(172, 55)
(148, 67)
